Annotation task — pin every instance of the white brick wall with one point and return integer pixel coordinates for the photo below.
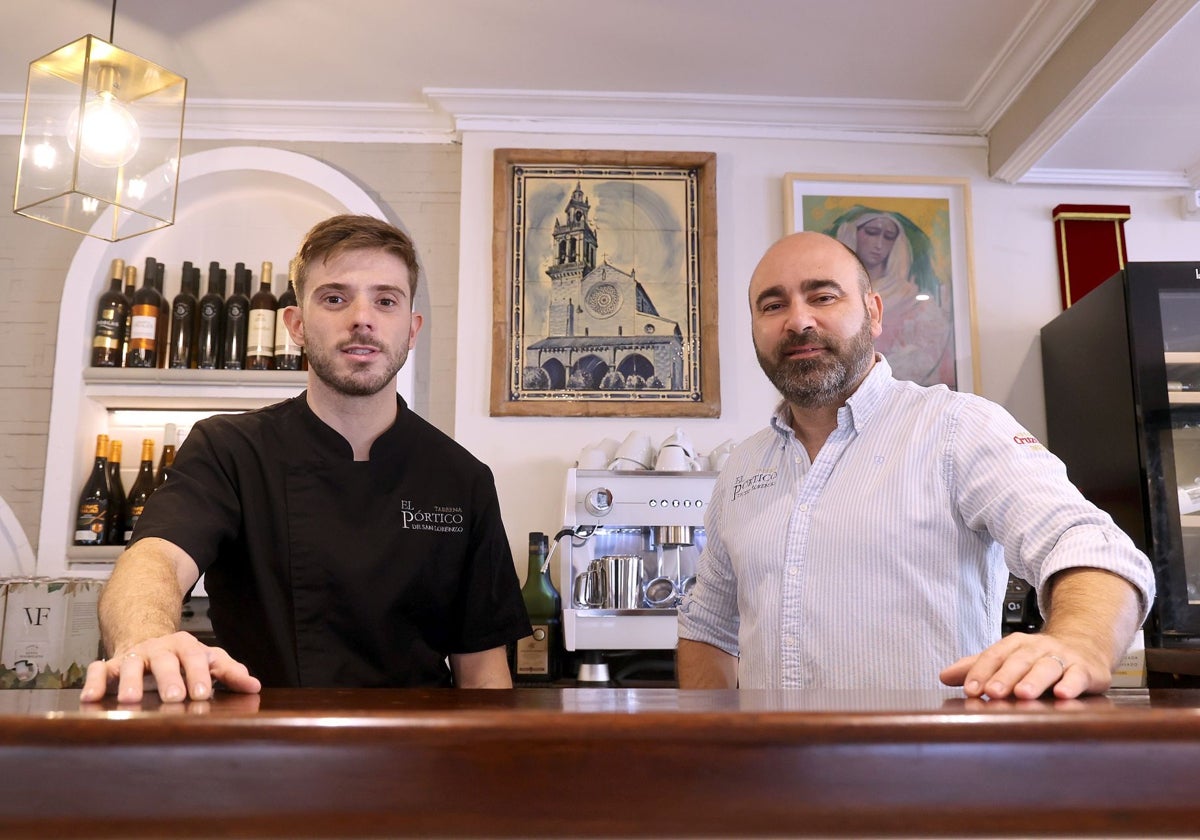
(418, 184)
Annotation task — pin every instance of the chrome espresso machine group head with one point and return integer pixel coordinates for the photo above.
(631, 555)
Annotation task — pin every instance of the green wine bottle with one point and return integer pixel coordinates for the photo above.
(538, 658)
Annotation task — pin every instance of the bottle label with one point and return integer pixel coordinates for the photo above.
(260, 334)
(133, 515)
(533, 652)
(91, 524)
(143, 327)
(108, 329)
(284, 345)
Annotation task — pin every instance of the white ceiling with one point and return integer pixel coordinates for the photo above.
(1069, 91)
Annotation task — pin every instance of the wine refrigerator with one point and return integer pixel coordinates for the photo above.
(1122, 379)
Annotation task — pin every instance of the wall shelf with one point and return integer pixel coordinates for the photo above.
(122, 388)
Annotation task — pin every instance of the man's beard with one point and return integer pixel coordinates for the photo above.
(324, 365)
(825, 380)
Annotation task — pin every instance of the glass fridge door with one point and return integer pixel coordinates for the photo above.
(1180, 463)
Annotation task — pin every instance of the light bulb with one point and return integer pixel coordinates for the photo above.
(44, 155)
(109, 136)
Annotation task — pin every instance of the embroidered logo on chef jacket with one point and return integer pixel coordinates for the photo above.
(447, 519)
(1030, 441)
(760, 480)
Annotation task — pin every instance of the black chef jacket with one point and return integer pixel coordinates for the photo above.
(324, 571)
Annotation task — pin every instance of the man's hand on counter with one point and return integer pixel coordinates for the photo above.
(181, 666)
(1026, 666)
(1091, 618)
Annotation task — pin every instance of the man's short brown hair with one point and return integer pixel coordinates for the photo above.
(348, 232)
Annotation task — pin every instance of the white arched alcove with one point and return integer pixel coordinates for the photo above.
(236, 204)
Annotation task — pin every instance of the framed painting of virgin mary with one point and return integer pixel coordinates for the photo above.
(913, 235)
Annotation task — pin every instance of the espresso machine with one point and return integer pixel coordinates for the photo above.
(628, 554)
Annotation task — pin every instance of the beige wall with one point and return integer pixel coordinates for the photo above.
(438, 191)
(1016, 283)
(418, 184)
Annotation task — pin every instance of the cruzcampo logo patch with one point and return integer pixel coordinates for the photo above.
(447, 519)
(1026, 439)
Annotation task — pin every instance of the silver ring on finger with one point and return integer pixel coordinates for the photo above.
(1061, 663)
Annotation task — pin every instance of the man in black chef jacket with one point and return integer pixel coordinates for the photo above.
(344, 540)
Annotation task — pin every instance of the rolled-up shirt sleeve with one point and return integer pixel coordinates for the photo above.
(1007, 483)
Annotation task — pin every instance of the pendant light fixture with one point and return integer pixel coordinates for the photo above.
(100, 141)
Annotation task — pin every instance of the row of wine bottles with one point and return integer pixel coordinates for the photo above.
(106, 515)
(137, 328)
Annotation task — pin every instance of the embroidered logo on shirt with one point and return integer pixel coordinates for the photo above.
(1028, 440)
(443, 518)
(761, 480)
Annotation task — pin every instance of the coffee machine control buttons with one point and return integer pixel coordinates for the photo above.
(599, 502)
(687, 503)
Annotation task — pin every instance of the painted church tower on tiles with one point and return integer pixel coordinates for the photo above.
(574, 258)
(603, 330)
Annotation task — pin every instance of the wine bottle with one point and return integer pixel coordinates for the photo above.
(163, 326)
(170, 441)
(287, 351)
(147, 303)
(142, 487)
(92, 514)
(112, 310)
(212, 314)
(130, 291)
(237, 309)
(538, 658)
(260, 331)
(184, 314)
(116, 510)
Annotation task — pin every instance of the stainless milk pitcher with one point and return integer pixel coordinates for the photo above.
(622, 581)
(589, 587)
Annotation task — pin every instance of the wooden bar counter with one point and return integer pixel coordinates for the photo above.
(599, 762)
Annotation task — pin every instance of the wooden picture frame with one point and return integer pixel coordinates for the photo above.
(605, 284)
(914, 235)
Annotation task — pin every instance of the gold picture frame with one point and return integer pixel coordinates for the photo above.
(914, 235)
(605, 284)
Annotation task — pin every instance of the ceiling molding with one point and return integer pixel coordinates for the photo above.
(1106, 178)
(1039, 35)
(448, 111)
(676, 113)
(346, 122)
(252, 119)
(1144, 33)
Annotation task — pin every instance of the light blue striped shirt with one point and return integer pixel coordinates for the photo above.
(883, 561)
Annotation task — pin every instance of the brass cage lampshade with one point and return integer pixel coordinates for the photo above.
(100, 141)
